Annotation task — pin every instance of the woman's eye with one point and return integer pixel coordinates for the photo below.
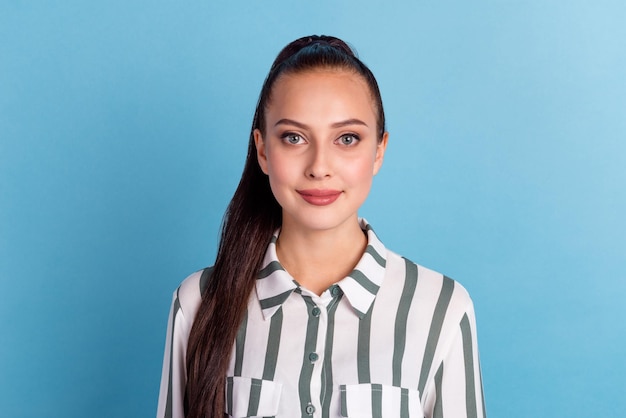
(293, 139)
(348, 139)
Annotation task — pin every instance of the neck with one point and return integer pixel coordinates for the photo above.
(319, 258)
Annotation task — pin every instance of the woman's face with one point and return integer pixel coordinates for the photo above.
(321, 148)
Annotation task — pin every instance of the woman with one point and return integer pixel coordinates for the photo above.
(305, 313)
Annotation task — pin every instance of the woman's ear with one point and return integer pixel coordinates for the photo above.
(380, 152)
(261, 154)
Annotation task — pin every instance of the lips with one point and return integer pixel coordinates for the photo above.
(319, 197)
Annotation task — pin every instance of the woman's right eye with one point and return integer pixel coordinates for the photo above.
(293, 139)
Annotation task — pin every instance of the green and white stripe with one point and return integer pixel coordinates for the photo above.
(392, 339)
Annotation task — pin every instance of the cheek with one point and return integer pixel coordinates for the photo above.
(360, 171)
(279, 167)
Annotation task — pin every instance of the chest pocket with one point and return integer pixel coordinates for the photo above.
(379, 401)
(248, 397)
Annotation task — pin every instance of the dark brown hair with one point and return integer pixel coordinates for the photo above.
(249, 222)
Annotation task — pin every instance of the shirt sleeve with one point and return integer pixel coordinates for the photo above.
(174, 374)
(458, 381)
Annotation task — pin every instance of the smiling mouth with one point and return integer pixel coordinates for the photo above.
(318, 197)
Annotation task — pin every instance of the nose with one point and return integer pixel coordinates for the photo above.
(319, 164)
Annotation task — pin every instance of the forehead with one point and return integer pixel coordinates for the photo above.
(321, 76)
(316, 89)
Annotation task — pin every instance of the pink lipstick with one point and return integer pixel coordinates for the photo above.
(319, 197)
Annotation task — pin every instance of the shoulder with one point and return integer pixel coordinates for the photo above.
(189, 293)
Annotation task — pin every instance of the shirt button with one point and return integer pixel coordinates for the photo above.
(316, 312)
(313, 357)
(335, 290)
(310, 409)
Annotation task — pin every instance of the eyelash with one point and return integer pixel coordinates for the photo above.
(355, 139)
(287, 136)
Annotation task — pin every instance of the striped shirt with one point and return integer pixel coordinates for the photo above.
(393, 339)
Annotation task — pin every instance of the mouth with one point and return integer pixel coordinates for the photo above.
(319, 197)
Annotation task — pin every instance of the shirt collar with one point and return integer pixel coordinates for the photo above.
(274, 284)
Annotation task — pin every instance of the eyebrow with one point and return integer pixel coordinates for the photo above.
(339, 124)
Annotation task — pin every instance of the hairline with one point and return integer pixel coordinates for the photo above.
(325, 68)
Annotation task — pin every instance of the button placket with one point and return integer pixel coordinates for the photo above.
(316, 357)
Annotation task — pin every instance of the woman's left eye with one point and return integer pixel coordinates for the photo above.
(348, 139)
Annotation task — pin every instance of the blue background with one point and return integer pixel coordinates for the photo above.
(123, 129)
